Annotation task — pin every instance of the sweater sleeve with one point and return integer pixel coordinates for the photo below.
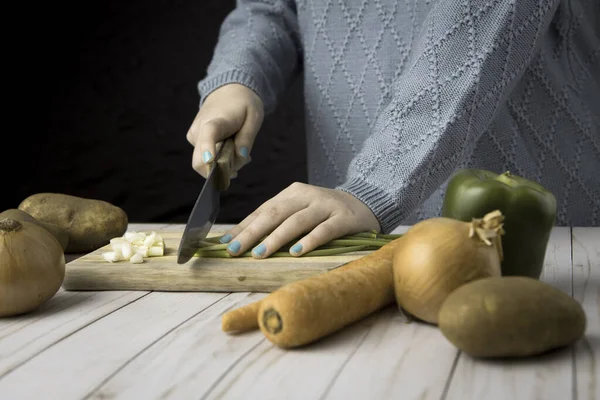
(467, 60)
(259, 47)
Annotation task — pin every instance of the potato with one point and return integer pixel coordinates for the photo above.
(510, 316)
(90, 223)
(60, 234)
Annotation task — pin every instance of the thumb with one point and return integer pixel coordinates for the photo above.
(244, 139)
(208, 134)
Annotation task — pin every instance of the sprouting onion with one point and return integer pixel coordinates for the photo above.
(438, 255)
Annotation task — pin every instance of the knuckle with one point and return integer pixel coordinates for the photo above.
(297, 186)
(348, 213)
(210, 128)
(190, 136)
(275, 239)
(273, 212)
(262, 208)
(323, 232)
(249, 234)
(198, 121)
(252, 216)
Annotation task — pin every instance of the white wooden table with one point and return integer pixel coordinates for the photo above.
(152, 345)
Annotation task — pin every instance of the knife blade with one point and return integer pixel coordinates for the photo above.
(207, 204)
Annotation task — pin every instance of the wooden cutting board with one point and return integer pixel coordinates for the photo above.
(92, 272)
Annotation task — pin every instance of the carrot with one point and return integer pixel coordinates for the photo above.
(306, 310)
(241, 319)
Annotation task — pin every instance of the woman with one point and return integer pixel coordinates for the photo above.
(398, 95)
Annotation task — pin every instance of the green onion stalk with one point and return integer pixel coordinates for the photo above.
(362, 241)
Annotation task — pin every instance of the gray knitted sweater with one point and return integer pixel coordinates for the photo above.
(399, 94)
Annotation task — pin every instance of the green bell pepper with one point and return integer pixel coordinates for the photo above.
(529, 214)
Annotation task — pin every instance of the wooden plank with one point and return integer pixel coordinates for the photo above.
(173, 228)
(131, 227)
(92, 272)
(396, 360)
(586, 287)
(545, 377)
(186, 362)
(22, 337)
(268, 372)
(78, 364)
(308, 372)
(168, 371)
(147, 227)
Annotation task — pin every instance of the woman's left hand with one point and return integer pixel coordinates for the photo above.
(320, 213)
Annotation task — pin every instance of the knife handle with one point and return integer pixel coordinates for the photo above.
(225, 164)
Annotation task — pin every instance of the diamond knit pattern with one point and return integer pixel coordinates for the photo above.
(399, 94)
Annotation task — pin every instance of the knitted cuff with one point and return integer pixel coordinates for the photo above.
(381, 204)
(211, 83)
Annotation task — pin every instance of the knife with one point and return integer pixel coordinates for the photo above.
(207, 204)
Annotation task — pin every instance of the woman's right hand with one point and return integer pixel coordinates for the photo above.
(230, 110)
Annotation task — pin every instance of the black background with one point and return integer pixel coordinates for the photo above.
(100, 94)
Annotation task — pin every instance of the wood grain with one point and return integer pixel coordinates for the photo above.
(135, 344)
(586, 287)
(131, 227)
(546, 377)
(185, 363)
(92, 272)
(398, 359)
(78, 364)
(22, 337)
(269, 372)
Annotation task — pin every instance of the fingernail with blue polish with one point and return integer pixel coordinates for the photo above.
(297, 248)
(206, 156)
(244, 151)
(234, 247)
(226, 238)
(260, 249)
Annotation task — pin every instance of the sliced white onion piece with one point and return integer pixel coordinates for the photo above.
(135, 246)
(110, 256)
(142, 250)
(135, 237)
(149, 240)
(136, 259)
(156, 251)
(127, 250)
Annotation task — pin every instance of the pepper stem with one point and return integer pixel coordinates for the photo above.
(507, 179)
(489, 230)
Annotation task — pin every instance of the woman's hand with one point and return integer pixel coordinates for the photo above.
(230, 110)
(325, 214)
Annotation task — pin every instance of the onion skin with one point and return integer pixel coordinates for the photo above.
(435, 257)
(60, 234)
(32, 267)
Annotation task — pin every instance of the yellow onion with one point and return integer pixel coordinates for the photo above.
(438, 255)
(32, 266)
